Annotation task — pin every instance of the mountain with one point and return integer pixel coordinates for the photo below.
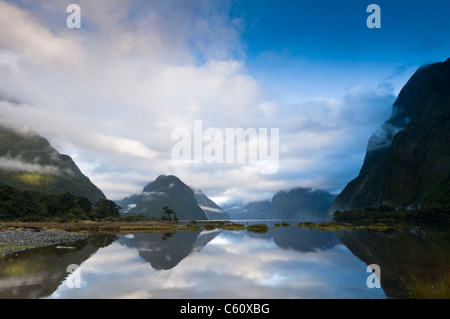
(171, 192)
(304, 203)
(407, 162)
(211, 209)
(29, 162)
(252, 210)
(165, 251)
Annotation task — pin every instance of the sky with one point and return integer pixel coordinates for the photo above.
(112, 93)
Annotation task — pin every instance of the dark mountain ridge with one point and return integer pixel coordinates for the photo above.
(407, 163)
(297, 203)
(304, 203)
(170, 191)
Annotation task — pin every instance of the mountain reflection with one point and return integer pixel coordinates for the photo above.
(303, 240)
(165, 251)
(286, 262)
(412, 259)
(37, 273)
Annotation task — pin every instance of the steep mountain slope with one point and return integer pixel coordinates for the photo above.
(407, 162)
(300, 203)
(211, 209)
(165, 191)
(29, 162)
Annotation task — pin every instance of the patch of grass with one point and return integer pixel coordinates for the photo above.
(426, 289)
(389, 213)
(334, 226)
(378, 227)
(328, 226)
(36, 178)
(5, 248)
(325, 226)
(104, 227)
(234, 226)
(223, 225)
(258, 228)
(306, 225)
(150, 228)
(158, 228)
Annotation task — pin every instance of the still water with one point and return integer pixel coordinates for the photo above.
(285, 262)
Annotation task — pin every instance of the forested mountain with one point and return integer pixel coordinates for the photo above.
(29, 162)
(407, 163)
(165, 191)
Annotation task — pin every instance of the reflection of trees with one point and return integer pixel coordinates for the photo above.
(37, 273)
(417, 256)
(167, 235)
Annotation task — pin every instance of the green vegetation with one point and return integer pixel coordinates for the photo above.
(32, 206)
(378, 226)
(306, 225)
(283, 224)
(36, 179)
(111, 227)
(225, 225)
(4, 247)
(51, 171)
(437, 195)
(417, 288)
(178, 197)
(167, 214)
(325, 226)
(157, 228)
(334, 226)
(385, 212)
(258, 228)
(415, 168)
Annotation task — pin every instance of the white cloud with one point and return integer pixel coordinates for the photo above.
(111, 93)
(17, 164)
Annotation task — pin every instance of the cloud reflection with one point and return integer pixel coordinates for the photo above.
(231, 265)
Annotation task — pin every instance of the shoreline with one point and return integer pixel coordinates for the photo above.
(20, 236)
(16, 239)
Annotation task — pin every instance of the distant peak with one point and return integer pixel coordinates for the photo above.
(165, 181)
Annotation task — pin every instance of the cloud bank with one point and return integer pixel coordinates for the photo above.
(111, 93)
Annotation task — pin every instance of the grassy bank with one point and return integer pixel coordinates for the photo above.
(389, 213)
(127, 227)
(104, 227)
(162, 227)
(334, 226)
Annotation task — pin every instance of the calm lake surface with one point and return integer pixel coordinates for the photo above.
(285, 262)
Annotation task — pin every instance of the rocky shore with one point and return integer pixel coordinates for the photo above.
(14, 240)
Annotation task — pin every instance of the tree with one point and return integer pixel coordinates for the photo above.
(169, 212)
(106, 208)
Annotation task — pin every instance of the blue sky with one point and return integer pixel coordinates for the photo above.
(308, 41)
(111, 93)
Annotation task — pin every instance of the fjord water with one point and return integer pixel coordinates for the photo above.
(285, 262)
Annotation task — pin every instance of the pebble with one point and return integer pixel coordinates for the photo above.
(33, 239)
